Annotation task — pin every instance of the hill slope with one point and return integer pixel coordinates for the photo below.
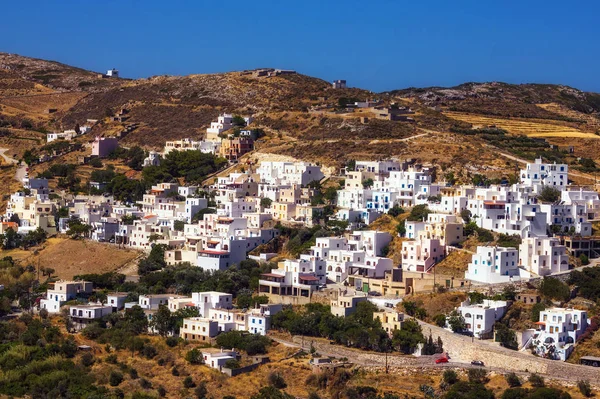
(302, 117)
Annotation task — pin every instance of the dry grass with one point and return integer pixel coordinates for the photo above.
(455, 264)
(72, 257)
(528, 127)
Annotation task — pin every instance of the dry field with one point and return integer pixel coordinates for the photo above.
(72, 257)
(528, 127)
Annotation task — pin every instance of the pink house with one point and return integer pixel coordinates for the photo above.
(102, 146)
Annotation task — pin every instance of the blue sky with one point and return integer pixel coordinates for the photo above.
(376, 45)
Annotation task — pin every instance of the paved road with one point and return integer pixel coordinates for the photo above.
(557, 370)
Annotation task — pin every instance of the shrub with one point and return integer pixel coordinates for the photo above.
(133, 374)
(276, 379)
(478, 376)
(536, 380)
(149, 351)
(194, 356)
(450, 377)
(232, 364)
(144, 383)
(188, 382)
(162, 392)
(513, 380)
(201, 390)
(585, 388)
(175, 371)
(555, 289)
(112, 358)
(584, 260)
(440, 320)
(115, 378)
(87, 359)
(172, 342)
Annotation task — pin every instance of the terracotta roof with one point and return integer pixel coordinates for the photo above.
(207, 251)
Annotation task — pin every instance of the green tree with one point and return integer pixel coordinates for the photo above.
(395, 211)
(265, 202)
(506, 336)
(406, 339)
(584, 260)
(162, 321)
(457, 322)
(440, 320)
(536, 380)
(179, 225)
(276, 379)
(194, 356)
(115, 378)
(367, 183)
(418, 213)
(513, 380)
(553, 288)
(78, 229)
(535, 311)
(549, 194)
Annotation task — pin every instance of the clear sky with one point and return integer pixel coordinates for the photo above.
(376, 45)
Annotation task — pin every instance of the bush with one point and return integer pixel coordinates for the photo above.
(440, 320)
(584, 260)
(513, 380)
(553, 288)
(172, 341)
(450, 377)
(115, 378)
(112, 358)
(536, 380)
(149, 352)
(232, 364)
(194, 356)
(188, 382)
(175, 371)
(478, 376)
(162, 392)
(144, 383)
(549, 194)
(133, 374)
(201, 390)
(87, 359)
(276, 380)
(585, 388)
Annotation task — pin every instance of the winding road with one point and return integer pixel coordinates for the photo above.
(21, 167)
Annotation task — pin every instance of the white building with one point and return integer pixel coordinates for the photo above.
(84, 315)
(543, 256)
(545, 173)
(289, 173)
(492, 265)
(64, 291)
(422, 254)
(480, 318)
(558, 330)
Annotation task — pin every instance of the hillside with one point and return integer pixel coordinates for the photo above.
(302, 117)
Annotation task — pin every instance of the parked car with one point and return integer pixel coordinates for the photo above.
(477, 363)
(374, 293)
(441, 360)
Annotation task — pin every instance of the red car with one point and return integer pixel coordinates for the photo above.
(441, 360)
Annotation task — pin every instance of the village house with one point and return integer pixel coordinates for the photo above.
(103, 146)
(84, 315)
(558, 331)
(543, 255)
(480, 317)
(493, 265)
(62, 291)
